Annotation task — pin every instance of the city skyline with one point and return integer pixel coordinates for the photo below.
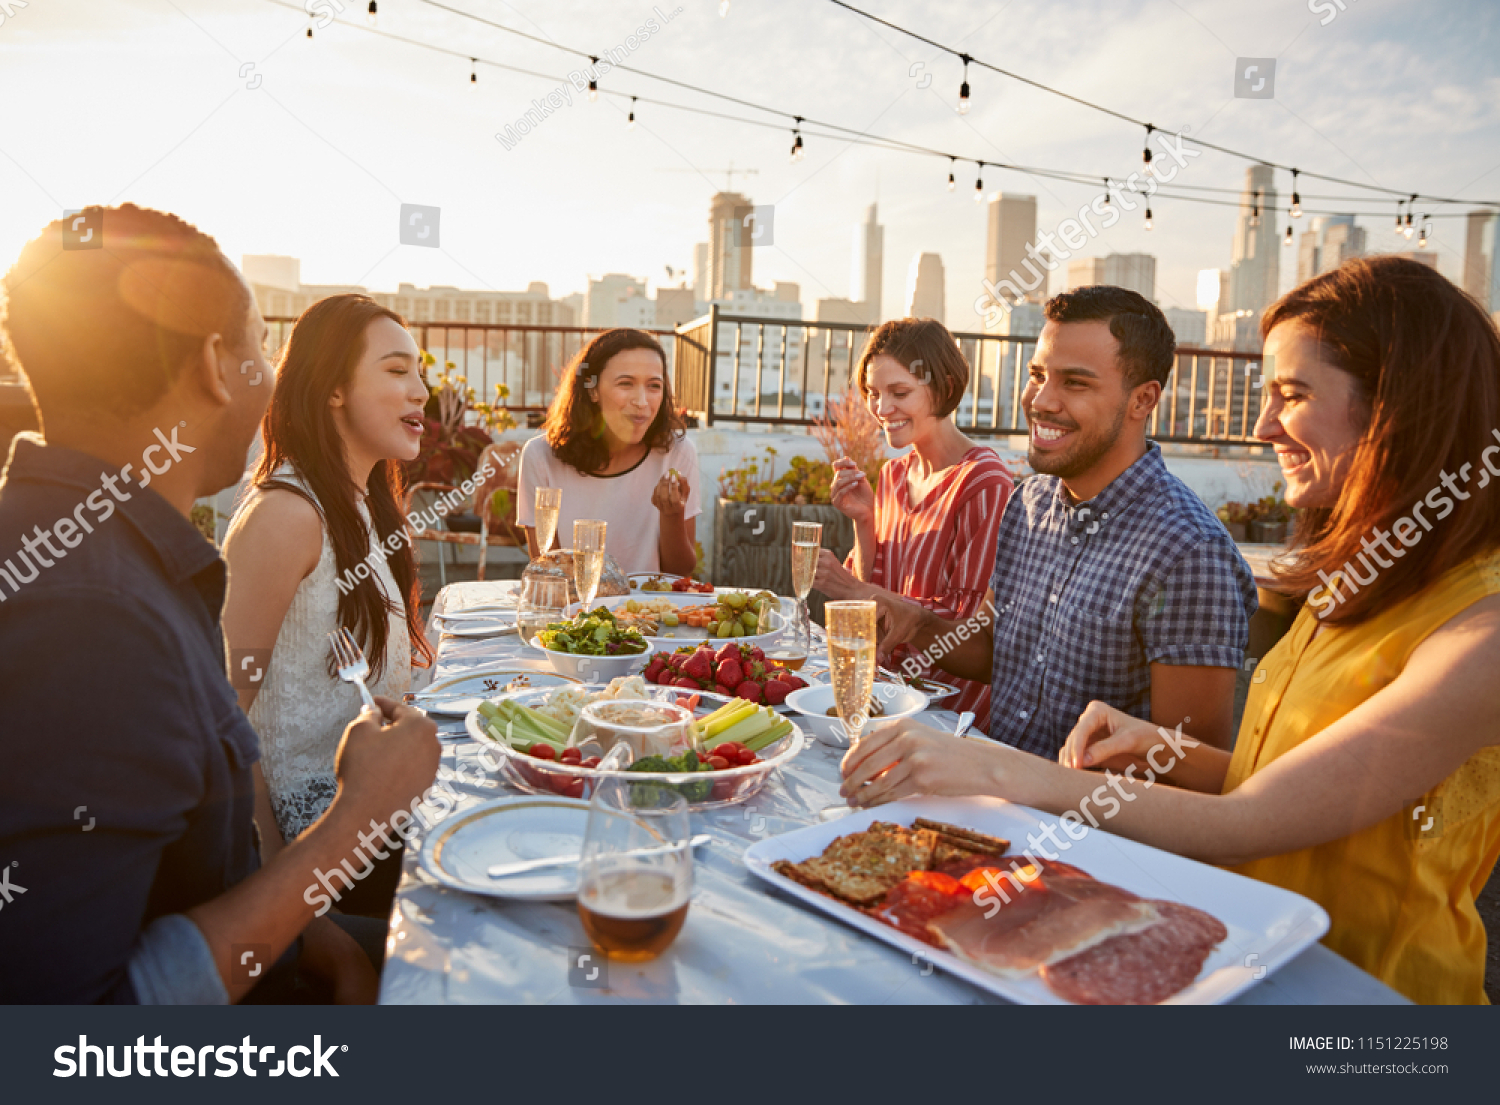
(316, 159)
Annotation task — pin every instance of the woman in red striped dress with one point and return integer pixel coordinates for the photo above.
(928, 533)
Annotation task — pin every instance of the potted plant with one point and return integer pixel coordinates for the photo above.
(1271, 517)
(1236, 519)
(757, 505)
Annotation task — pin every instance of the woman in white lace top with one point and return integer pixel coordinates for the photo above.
(317, 544)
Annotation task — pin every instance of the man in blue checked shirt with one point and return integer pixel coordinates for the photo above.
(1112, 580)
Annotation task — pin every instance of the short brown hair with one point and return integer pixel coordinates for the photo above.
(1426, 366)
(574, 422)
(926, 349)
(110, 328)
(1147, 345)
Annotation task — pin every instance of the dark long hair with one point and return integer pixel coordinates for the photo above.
(575, 424)
(1426, 365)
(326, 344)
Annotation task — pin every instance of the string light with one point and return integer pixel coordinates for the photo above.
(1408, 229)
(1296, 201)
(797, 140)
(963, 89)
(593, 82)
(979, 183)
(1398, 215)
(630, 122)
(1288, 239)
(1422, 238)
(1255, 210)
(1148, 218)
(1146, 150)
(473, 71)
(370, 15)
(952, 184)
(309, 30)
(1106, 192)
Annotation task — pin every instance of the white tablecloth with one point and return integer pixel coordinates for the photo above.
(743, 941)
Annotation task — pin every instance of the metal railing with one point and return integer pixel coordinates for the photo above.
(758, 371)
(528, 360)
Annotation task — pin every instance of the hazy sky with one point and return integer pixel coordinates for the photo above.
(224, 112)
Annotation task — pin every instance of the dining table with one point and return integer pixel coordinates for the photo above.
(744, 941)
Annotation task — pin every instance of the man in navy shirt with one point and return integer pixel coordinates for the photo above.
(1112, 580)
(126, 830)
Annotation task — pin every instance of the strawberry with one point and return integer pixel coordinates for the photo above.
(730, 672)
(727, 692)
(750, 691)
(730, 651)
(690, 684)
(776, 692)
(756, 653)
(697, 666)
(796, 682)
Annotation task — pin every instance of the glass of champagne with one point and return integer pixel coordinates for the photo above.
(851, 668)
(635, 877)
(807, 540)
(588, 560)
(548, 505)
(543, 601)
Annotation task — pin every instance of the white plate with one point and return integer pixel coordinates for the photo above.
(1268, 926)
(475, 687)
(492, 625)
(461, 848)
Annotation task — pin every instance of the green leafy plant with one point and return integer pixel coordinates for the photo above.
(450, 443)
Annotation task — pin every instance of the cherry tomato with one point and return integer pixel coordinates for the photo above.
(570, 756)
(573, 788)
(543, 751)
(717, 763)
(592, 761)
(731, 751)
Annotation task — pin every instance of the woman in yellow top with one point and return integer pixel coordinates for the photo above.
(1366, 775)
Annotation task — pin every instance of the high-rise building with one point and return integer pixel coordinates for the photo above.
(1482, 259)
(1188, 327)
(603, 300)
(1255, 272)
(729, 255)
(869, 262)
(1135, 271)
(925, 294)
(1328, 242)
(674, 306)
(700, 272)
(1008, 269)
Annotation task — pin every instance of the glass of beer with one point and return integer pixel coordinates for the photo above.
(635, 877)
(851, 668)
(807, 540)
(588, 559)
(548, 505)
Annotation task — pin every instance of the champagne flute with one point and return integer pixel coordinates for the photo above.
(588, 559)
(807, 540)
(548, 506)
(851, 669)
(635, 877)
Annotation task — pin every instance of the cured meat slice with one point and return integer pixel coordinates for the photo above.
(1140, 968)
(1046, 920)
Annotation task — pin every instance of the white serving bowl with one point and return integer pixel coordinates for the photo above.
(812, 703)
(593, 669)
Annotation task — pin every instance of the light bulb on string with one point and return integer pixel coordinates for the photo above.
(1296, 199)
(1398, 215)
(473, 72)
(630, 122)
(1106, 192)
(370, 15)
(1288, 239)
(309, 30)
(1407, 228)
(1255, 210)
(723, 9)
(979, 183)
(1148, 218)
(1422, 236)
(1146, 150)
(593, 80)
(963, 89)
(797, 140)
(952, 184)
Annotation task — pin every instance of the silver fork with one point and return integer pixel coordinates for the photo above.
(351, 662)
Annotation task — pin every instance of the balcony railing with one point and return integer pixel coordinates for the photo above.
(757, 371)
(528, 360)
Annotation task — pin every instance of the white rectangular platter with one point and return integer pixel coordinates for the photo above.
(1268, 926)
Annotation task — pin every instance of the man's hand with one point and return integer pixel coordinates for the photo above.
(382, 768)
(835, 580)
(851, 493)
(333, 955)
(899, 621)
(671, 494)
(902, 758)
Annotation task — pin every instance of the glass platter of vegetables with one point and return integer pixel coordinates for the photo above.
(737, 746)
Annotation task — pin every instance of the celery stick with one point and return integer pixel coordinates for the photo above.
(769, 737)
(747, 727)
(729, 720)
(542, 721)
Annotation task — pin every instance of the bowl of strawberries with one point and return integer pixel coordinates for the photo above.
(733, 670)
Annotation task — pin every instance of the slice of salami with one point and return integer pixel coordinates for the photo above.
(1140, 968)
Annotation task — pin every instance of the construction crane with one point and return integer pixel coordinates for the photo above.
(729, 174)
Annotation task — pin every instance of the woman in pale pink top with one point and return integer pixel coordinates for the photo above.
(615, 445)
(928, 533)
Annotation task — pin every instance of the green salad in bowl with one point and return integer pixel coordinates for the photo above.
(593, 634)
